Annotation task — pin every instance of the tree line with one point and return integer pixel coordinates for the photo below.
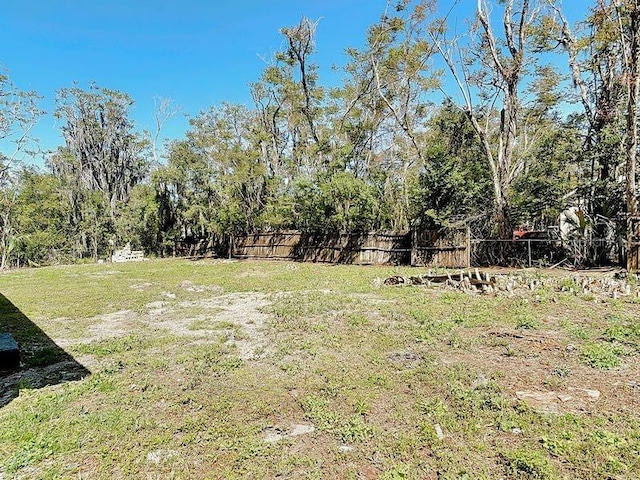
(505, 122)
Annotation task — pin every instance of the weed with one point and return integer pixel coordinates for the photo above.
(434, 407)
(527, 464)
(562, 371)
(25, 384)
(377, 380)
(556, 446)
(578, 333)
(526, 321)
(316, 410)
(509, 350)
(553, 383)
(362, 407)
(627, 333)
(356, 430)
(599, 355)
(105, 348)
(397, 472)
(357, 320)
(567, 285)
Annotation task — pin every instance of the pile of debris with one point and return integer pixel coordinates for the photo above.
(598, 287)
(466, 281)
(127, 255)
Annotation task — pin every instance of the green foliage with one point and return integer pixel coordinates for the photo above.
(454, 178)
(340, 203)
(527, 464)
(601, 355)
(539, 196)
(138, 223)
(102, 161)
(527, 321)
(41, 214)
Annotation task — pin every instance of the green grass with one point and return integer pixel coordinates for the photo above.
(399, 382)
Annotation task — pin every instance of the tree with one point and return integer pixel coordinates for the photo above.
(381, 121)
(291, 110)
(490, 72)
(629, 20)
(215, 182)
(19, 112)
(102, 160)
(107, 155)
(605, 71)
(41, 218)
(454, 180)
(138, 221)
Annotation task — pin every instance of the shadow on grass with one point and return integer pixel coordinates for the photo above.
(42, 362)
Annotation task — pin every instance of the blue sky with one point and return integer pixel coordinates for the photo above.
(197, 52)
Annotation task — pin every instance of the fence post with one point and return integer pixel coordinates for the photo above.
(468, 247)
(529, 251)
(414, 248)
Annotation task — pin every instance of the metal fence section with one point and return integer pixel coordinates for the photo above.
(547, 252)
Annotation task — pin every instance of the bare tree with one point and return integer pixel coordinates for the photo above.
(164, 110)
(490, 71)
(301, 40)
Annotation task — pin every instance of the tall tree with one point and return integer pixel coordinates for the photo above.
(490, 70)
(605, 70)
(104, 151)
(102, 160)
(629, 20)
(385, 106)
(291, 108)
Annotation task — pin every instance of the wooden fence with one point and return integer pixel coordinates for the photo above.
(367, 249)
(448, 248)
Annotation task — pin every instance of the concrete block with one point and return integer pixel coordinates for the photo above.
(9, 352)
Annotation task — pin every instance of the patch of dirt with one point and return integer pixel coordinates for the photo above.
(406, 359)
(189, 286)
(110, 325)
(275, 434)
(542, 368)
(241, 312)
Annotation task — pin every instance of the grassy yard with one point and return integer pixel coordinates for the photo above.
(225, 369)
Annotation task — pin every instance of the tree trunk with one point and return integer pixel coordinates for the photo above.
(632, 131)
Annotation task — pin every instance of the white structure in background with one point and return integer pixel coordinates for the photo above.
(571, 223)
(127, 255)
